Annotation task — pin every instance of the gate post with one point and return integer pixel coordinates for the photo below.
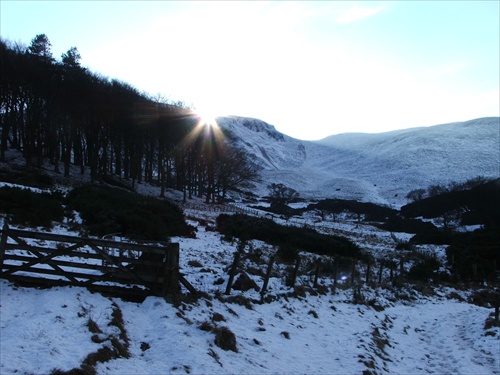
(171, 270)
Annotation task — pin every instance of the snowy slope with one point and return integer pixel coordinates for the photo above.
(47, 329)
(380, 168)
(409, 332)
(43, 330)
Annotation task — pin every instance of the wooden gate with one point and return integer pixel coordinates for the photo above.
(51, 259)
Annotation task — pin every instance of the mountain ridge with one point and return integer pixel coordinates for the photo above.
(373, 167)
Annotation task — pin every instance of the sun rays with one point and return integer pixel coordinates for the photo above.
(206, 135)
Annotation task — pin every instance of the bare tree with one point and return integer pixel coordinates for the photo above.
(235, 169)
(281, 195)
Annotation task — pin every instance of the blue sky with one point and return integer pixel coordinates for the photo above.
(310, 68)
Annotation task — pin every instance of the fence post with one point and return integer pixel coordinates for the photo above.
(268, 275)
(3, 243)
(497, 306)
(380, 271)
(232, 273)
(291, 283)
(171, 270)
(353, 272)
(316, 275)
(335, 274)
(368, 269)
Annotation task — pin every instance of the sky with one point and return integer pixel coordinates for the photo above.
(310, 68)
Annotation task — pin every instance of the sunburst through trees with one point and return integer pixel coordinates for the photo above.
(60, 112)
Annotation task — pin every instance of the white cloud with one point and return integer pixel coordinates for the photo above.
(357, 12)
(452, 67)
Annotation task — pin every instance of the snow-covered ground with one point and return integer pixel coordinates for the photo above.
(438, 333)
(429, 329)
(43, 330)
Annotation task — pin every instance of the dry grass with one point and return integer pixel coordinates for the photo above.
(225, 339)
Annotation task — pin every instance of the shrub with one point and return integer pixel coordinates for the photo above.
(371, 211)
(287, 238)
(244, 283)
(481, 199)
(225, 339)
(432, 236)
(32, 178)
(287, 253)
(397, 223)
(206, 326)
(218, 317)
(479, 248)
(424, 269)
(109, 210)
(483, 297)
(404, 246)
(26, 207)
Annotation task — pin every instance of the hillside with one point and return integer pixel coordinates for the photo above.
(337, 285)
(389, 328)
(379, 168)
(343, 325)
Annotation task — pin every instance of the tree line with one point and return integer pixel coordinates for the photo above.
(59, 111)
(435, 190)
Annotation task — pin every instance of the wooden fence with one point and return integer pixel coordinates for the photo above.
(37, 258)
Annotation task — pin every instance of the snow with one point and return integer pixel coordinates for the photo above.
(443, 338)
(390, 331)
(379, 168)
(47, 329)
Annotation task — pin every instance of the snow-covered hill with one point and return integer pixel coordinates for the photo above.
(351, 329)
(380, 168)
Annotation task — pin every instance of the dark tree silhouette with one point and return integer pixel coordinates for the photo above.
(58, 111)
(281, 195)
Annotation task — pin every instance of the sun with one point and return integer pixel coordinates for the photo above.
(206, 129)
(207, 117)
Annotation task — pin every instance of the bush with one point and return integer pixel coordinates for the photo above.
(482, 202)
(225, 339)
(483, 297)
(288, 253)
(404, 246)
(424, 269)
(244, 283)
(109, 210)
(286, 238)
(478, 248)
(432, 236)
(371, 211)
(33, 178)
(396, 223)
(26, 207)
